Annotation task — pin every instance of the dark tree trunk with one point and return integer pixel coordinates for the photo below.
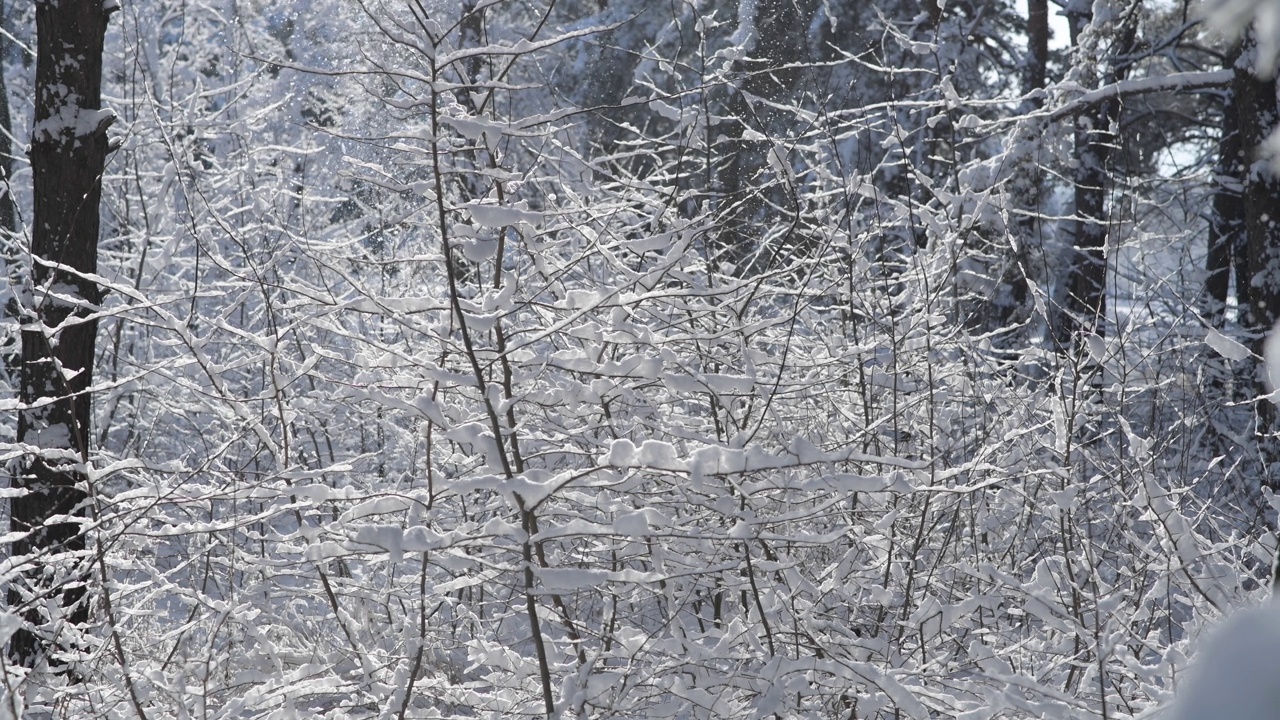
(1087, 276)
(612, 76)
(68, 153)
(1258, 113)
(8, 214)
(771, 73)
(1035, 71)
(1012, 301)
(1226, 257)
(1226, 226)
(10, 353)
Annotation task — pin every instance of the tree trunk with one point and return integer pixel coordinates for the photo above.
(1036, 69)
(1012, 300)
(770, 73)
(1256, 110)
(1226, 227)
(8, 214)
(1257, 113)
(10, 353)
(1087, 276)
(612, 76)
(68, 153)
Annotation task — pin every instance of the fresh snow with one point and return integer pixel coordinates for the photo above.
(1236, 675)
(1225, 346)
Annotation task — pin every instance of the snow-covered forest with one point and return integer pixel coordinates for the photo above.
(632, 358)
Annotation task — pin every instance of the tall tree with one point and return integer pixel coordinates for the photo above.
(1258, 115)
(8, 214)
(770, 72)
(1012, 301)
(1112, 38)
(10, 359)
(68, 153)
(1226, 246)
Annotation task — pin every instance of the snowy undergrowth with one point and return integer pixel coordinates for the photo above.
(433, 414)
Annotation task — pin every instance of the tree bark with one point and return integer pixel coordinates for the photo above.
(1087, 276)
(771, 73)
(1012, 300)
(8, 213)
(612, 75)
(1226, 226)
(1036, 69)
(10, 354)
(1258, 114)
(68, 153)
